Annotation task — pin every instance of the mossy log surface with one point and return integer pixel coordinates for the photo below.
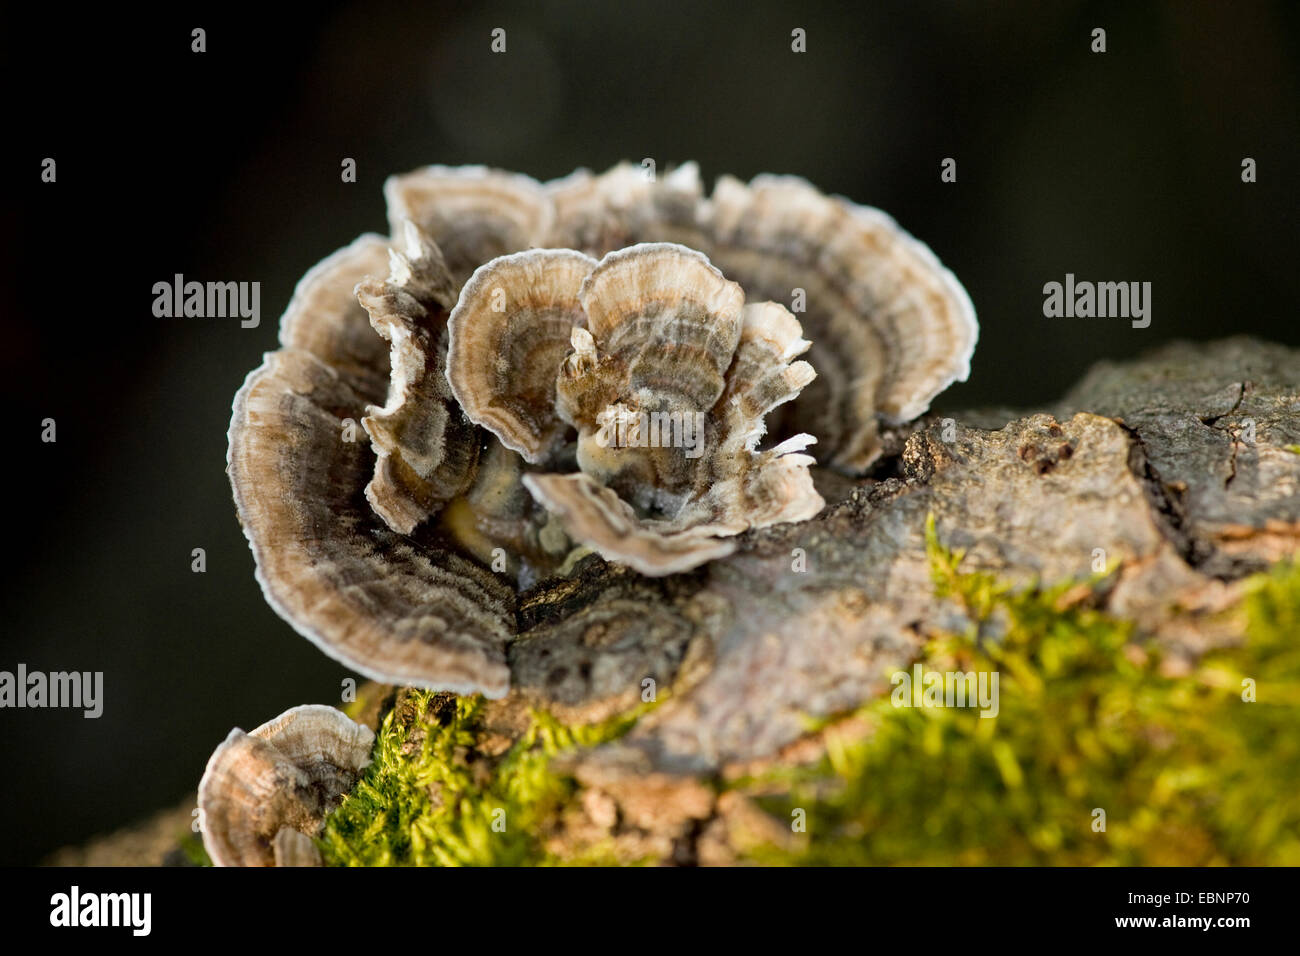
(1123, 558)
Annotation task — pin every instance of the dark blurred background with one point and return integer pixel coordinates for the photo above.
(225, 166)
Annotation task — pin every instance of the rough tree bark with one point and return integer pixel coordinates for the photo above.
(1183, 467)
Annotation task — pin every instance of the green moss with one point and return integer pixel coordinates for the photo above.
(1186, 770)
(430, 799)
(191, 845)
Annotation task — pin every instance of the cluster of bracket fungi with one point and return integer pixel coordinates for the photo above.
(515, 322)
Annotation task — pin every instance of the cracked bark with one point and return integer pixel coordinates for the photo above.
(1148, 462)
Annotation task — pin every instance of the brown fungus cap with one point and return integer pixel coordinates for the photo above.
(625, 205)
(890, 326)
(509, 335)
(264, 794)
(667, 381)
(426, 449)
(473, 213)
(293, 848)
(398, 608)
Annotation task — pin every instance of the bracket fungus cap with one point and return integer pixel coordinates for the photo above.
(287, 774)
(473, 213)
(652, 355)
(425, 449)
(891, 327)
(508, 335)
(397, 608)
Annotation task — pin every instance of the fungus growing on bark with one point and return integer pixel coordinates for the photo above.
(264, 794)
(403, 556)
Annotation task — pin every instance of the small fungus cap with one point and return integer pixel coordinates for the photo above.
(509, 335)
(286, 775)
